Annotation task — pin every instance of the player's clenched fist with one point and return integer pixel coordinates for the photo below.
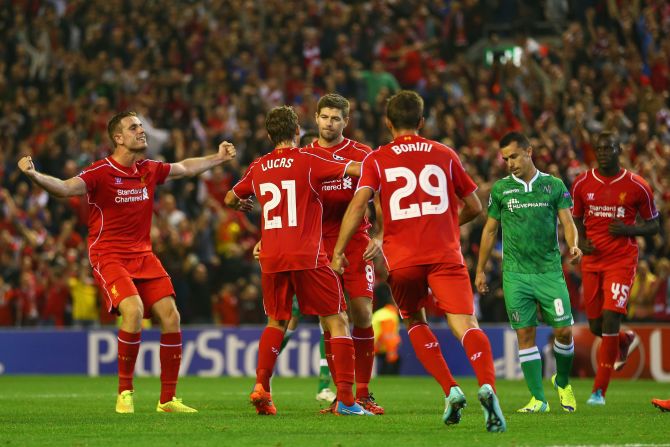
(227, 151)
(26, 164)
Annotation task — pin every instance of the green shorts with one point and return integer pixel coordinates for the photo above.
(525, 292)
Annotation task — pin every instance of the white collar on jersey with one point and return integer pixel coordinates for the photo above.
(528, 187)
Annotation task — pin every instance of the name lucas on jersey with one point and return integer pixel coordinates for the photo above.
(277, 163)
(412, 147)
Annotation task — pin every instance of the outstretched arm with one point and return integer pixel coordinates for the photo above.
(197, 165)
(472, 208)
(59, 188)
(571, 234)
(485, 247)
(350, 222)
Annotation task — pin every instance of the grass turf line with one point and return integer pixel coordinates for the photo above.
(79, 411)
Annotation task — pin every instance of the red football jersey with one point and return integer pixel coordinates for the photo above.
(120, 201)
(336, 194)
(598, 200)
(287, 183)
(419, 182)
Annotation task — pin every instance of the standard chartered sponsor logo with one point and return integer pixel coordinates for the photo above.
(514, 204)
(131, 195)
(610, 211)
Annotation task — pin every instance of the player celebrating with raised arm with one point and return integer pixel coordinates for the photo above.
(120, 191)
(607, 202)
(528, 203)
(419, 183)
(293, 260)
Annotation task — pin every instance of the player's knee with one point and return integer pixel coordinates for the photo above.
(132, 315)
(170, 320)
(563, 335)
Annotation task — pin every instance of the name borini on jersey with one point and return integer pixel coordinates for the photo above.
(419, 146)
(277, 163)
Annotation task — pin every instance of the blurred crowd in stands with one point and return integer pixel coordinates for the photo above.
(199, 72)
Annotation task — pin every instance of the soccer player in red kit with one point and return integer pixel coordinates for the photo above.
(293, 260)
(607, 201)
(332, 116)
(120, 193)
(420, 183)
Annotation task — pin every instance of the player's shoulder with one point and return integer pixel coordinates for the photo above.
(358, 146)
(504, 183)
(582, 179)
(636, 178)
(97, 166)
(551, 179)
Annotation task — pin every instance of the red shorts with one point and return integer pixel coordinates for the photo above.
(318, 292)
(143, 276)
(450, 284)
(359, 275)
(607, 290)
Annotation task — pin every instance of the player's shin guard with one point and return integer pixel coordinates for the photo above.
(344, 358)
(428, 352)
(268, 350)
(531, 365)
(478, 349)
(170, 355)
(329, 355)
(607, 355)
(364, 346)
(128, 347)
(564, 355)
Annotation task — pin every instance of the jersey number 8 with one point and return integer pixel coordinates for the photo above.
(414, 210)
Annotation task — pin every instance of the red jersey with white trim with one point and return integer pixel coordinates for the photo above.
(120, 201)
(287, 182)
(598, 200)
(336, 194)
(419, 183)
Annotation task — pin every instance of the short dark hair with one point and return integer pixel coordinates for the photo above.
(405, 110)
(281, 123)
(334, 101)
(609, 135)
(115, 122)
(308, 137)
(515, 137)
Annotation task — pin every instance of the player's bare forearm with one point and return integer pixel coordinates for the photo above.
(57, 187)
(489, 234)
(353, 169)
(197, 165)
(472, 209)
(231, 200)
(646, 228)
(569, 228)
(352, 219)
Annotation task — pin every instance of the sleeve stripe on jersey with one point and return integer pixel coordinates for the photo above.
(248, 171)
(365, 186)
(91, 170)
(650, 205)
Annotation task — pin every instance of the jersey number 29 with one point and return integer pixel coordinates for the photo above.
(275, 192)
(414, 210)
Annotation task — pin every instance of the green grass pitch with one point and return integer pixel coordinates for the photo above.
(79, 411)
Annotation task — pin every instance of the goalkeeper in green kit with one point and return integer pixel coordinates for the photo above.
(528, 203)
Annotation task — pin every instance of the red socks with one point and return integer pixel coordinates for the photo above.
(128, 347)
(478, 349)
(428, 352)
(364, 346)
(170, 355)
(268, 351)
(607, 355)
(343, 359)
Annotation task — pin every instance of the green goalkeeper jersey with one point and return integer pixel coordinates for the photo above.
(528, 214)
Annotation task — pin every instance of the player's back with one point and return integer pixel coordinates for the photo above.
(420, 182)
(286, 182)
